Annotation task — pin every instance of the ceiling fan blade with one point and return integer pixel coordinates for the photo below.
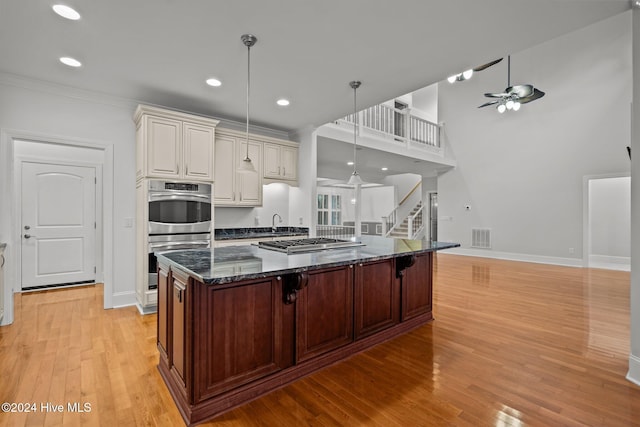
(521, 91)
(535, 95)
(496, 95)
(486, 104)
(487, 65)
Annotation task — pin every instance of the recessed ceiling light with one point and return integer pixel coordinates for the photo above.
(71, 62)
(350, 163)
(385, 169)
(282, 102)
(214, 82)
(66, 12)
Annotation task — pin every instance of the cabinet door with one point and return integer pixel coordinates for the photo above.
(164, 138)
(198, 151)
(417, 288)
(163, 310)
(179, 333)
(289, 162)
(240, 338)
(271, 164)
(249, 185)
(324, 312)
(377, 297)
(224, 170)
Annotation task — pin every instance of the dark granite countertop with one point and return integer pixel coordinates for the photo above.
(235, 263)
(258, 232)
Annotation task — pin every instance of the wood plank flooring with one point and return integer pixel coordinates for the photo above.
(513, 344)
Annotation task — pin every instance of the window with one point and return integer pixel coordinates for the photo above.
(329, 209)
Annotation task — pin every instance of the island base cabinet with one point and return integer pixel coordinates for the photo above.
(377, 298)
(241, 335)
(229, 343)
(417, 288)
(324, 312)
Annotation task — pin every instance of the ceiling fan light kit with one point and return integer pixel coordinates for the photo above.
(513, 96)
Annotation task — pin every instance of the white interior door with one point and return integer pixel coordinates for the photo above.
(58, 224)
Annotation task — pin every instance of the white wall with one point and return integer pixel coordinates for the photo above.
(275, 200)
(522, 172)
(610, 217)
(425, 103)
(376, 203)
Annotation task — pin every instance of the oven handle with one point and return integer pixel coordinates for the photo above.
(167, 246)
(159, 197)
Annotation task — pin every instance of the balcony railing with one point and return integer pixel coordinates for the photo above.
(399, 124)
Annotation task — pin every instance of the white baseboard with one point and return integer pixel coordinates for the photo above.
(123, 299)
(147, 310)
(539, 259)
(634, 369)
(610, 262)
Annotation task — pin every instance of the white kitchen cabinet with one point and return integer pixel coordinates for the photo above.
(280, 162)
(231, 187)
(173, 145)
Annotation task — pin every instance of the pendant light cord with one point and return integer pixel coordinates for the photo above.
(248, 91)
(355, 126)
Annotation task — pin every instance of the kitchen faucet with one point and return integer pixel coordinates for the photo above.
(273, 222)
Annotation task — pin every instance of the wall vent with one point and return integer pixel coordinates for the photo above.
(481, 238)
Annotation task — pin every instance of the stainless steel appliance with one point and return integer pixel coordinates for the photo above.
(307, 245)
(179, 207)
(179, 218)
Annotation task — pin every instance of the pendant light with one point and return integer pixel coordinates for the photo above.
(248, 40)
(355, 176)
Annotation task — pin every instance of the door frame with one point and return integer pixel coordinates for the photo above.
(10, 166)
(586, 219)
(99, 208)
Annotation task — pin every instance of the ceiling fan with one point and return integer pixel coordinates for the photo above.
(513, 96)
(466, 75)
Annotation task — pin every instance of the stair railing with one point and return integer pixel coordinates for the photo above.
(416, 223)
(400, 212)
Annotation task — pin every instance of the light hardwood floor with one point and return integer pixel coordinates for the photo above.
(513, 344)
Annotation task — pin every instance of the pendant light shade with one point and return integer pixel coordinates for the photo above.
(248, 40)
(355, 176)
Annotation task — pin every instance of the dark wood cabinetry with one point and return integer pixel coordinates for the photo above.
(240, 335)
(416, 287)
(225, 344)
(163, 315)
(377, 297)
(324, 312)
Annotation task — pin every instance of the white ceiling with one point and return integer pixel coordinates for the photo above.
(161, 51)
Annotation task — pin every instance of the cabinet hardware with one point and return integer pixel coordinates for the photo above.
(26, 227)
(27, 236)
(177, 168)
(278, 170)
(186, 170)
(3, 260)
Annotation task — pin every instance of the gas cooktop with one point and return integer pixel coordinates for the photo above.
(307, 245)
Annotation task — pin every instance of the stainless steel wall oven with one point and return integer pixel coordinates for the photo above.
(179, 218)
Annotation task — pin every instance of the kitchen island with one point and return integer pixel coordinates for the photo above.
(237, 322)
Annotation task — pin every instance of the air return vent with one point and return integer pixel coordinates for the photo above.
(481, 238)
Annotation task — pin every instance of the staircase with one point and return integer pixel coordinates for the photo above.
(401, 231)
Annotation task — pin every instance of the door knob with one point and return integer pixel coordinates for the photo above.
(27, 236)
(26, 227)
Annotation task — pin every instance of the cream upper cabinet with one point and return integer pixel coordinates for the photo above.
(249, 184)
(224, 170)
(280, 162)
(231, 187)
(174, 145)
